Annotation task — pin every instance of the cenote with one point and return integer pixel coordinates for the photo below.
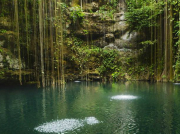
(91, 108)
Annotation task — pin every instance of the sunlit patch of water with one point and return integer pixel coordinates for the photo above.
(176, 83)
(77, 81)
(91, 120)
(62, 126)
(124, 97)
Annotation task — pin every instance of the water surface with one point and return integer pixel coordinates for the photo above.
(91, 108)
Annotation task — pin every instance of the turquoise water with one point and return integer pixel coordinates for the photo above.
(91, 108)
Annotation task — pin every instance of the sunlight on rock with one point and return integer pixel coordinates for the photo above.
(124, 97)
(62, 126)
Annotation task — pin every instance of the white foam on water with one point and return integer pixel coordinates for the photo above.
(60, 126)
(124, 97)
(91, 120)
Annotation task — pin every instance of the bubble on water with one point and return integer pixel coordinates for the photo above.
(60, 126)
(91, 120)
(124, 97)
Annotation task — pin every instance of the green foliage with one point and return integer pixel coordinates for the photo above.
(85, 32)
(4, 8)
(63, 7)
(2, 73)
(76, 14)
(106, 14)
(104, 60)
(112, 4)
(164, 76)
(81, 56)
(151, 70)
(3, 31)
(108, 10)
(109, 63)
(148, 42)
(177, 71)
(142, 14)
(115, 74)
(119, 73)
(77, 42)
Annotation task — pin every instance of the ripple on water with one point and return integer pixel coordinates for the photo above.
(124, 97)
(61, 126)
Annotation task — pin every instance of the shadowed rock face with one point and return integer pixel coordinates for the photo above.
(109, 38)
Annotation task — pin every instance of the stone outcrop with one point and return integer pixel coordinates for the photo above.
(109, 38)
(9, 60)
(94, 6)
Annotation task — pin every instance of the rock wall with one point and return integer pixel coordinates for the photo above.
(108, 32)
(111, 31)
(101, 27)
